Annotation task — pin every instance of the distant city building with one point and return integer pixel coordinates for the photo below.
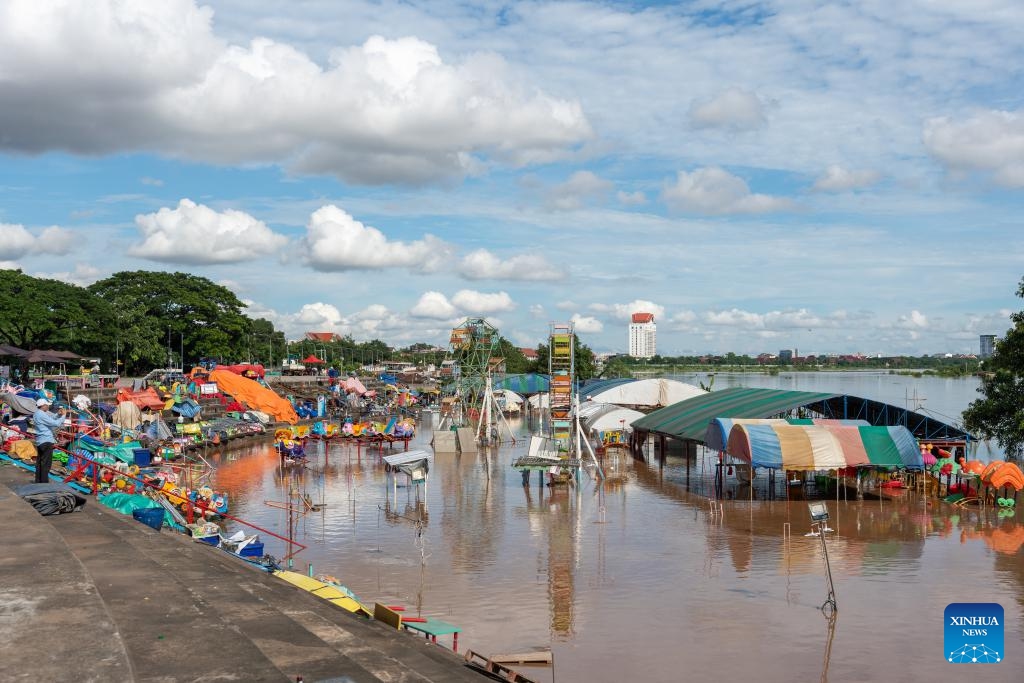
(643, 336)
(785, 356)
(988, 345)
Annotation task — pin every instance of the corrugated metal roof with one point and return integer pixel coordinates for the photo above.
(689, 419)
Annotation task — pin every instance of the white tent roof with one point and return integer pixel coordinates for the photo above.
(600, 417)
(539, 401)
(508, 395)
(647, 393)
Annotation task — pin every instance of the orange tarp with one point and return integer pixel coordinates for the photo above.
(147, 398)
(254, 395)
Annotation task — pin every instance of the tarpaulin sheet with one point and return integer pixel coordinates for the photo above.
(823, 447)
(254, 395)
(147, 398)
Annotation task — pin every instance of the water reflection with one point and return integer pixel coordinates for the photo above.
(639, 577)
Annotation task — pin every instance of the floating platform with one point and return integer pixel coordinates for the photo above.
(495, 669)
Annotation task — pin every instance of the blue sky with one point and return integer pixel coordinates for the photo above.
(837, 178)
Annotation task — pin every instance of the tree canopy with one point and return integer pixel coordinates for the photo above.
(163, 314)
(1000, 414)
(37, 313)
(584, 359)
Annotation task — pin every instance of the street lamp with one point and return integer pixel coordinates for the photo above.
(819, 518)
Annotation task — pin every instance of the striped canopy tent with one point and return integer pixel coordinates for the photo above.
(525, 385)
(717, 435)
(823, 447)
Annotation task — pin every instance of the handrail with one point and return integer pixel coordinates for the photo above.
(192, 507)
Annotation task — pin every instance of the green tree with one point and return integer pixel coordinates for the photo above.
(1000, 415)
(38, 313)
(583, 357)
(515, 362)
(162, 313)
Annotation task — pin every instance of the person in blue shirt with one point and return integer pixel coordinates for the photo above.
(45, 423)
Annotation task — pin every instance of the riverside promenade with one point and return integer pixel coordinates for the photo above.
(97, 596)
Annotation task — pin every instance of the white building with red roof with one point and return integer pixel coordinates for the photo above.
(643, 335)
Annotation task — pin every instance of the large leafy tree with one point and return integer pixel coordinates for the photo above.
(584, 359)
(163, 314)
(515, 362)
(1000, 415)
(37, 313)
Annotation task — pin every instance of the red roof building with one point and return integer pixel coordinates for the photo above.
(323, 337)
(531, 354)
(643, 317)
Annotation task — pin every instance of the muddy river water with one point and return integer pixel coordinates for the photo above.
(638, 578)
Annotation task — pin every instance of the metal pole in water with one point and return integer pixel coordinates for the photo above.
(829, 607)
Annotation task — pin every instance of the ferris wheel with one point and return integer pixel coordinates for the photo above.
(475, 350)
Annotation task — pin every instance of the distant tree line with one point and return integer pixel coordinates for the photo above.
(148, 319)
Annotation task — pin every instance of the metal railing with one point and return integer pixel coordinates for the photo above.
(191, 507)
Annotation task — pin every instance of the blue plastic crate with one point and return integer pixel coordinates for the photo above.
(151, 517)
(254, 549)
(143, 457)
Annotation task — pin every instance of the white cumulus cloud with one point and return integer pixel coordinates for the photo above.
(481, 264)
(915, 321)
(83, 275)
(434, 305)
(337, 241)
(838, 179)
(16, 241)
(989, 141)
(625, 311)
(586, 324)
(732, 108)
(195, 233)
(158, 78)
(482, 303)
(772, 320)
(581, 188)
(715, 191)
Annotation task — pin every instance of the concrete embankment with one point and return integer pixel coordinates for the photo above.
(96, 596)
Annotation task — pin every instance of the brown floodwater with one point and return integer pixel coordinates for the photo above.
(639, 579)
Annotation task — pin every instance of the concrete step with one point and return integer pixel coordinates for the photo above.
(168, 632)
(234, 592)
(49, 607)
(392, 656)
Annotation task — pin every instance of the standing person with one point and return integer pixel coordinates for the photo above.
(45, 423)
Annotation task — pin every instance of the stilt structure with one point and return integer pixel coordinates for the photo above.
(491, 418)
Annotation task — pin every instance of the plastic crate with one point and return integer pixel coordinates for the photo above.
(142, 456)
(254, 549)
(151, 517)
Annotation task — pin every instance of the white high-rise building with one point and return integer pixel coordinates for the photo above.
(643, 336)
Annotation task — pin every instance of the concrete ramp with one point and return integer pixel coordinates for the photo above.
(467, 440)
(445, 442)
